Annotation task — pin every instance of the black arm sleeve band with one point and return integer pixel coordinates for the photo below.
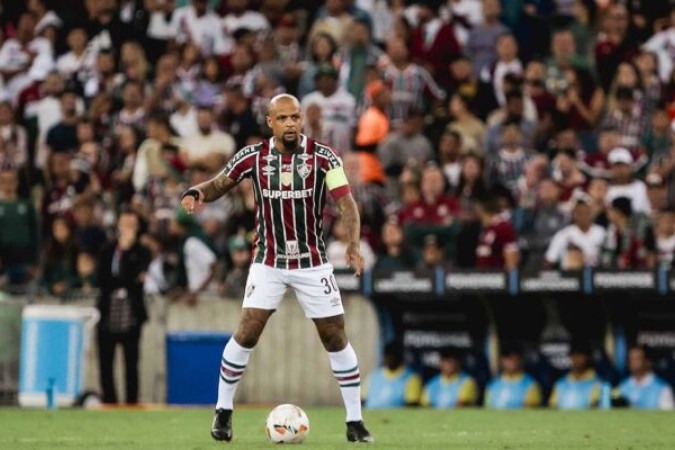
(194, 193)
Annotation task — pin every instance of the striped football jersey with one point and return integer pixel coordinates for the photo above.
(290, 193)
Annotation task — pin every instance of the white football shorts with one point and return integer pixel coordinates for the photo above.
(315, 288)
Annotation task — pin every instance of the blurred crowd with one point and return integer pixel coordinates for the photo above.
(476, 134)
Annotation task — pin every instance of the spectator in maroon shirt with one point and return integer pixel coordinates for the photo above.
(497, 245)
(435, 207)
(433, 42)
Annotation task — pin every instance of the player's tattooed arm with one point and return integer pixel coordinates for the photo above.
(349, 215)
(207, 191)
(215, 188)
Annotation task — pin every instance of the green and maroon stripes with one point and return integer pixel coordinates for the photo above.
(348, 378)
(231, 373)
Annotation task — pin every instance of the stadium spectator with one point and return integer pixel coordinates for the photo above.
(238, 117)
(322, 50)
(623, 182)
(581, 234)
(644, 389)
(393, 385)
(335, 251)
(85, 277)
(512, 113)
(449, 157)
(358, 55)
(482, 39)
(57, 266)
(132, 112)
(338, 108)
(433, 42)
(335, 21)
(149, 163)
(24, 58)
(465, 122)
(661, 44)
(432, 254)
(407, 144)
(629, 242)
(497, 245)
(566, 172)
(242, 15)
(658, 138)
(452, 387)
(507, 63)
(395, 255)
(580, 388)
(234, 284)
(509, 162)
(80, 61)
(19, 238)
(13, 138)
(197, 24)
(548, 218)
(627, 117)
(121, 270)
(411, 83)
(512, 388)
(62, 137)
(197, 257)
(210, 146)
(664, 232)
(616, 43)
(373, 128)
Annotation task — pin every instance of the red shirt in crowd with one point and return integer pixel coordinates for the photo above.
(422, 213)
(494, 240)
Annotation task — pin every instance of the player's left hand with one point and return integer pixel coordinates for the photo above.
(354, 259)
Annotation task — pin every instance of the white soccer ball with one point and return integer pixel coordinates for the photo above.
(287, 424)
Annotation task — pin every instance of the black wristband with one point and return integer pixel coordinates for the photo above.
(191, 192)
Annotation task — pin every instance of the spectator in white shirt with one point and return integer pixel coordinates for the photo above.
(338, 108)
(335, 252)
(582, 234)
(24, 59)
(195, 23)
(241, 16)
(79, 60)
(623, 184)
(210, 146)
(663, 44)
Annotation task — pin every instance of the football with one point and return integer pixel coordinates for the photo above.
(287, 424)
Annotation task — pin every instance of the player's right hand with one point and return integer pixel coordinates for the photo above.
(188, 202)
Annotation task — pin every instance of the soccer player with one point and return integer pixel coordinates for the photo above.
(453, 387)
(513, 388)
(644, 389)
(291, 174)
(581, 387)
(394, 385)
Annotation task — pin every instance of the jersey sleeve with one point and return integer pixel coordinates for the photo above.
(240, 166)
(336, 179)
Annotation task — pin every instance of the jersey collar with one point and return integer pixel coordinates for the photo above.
(303, 145)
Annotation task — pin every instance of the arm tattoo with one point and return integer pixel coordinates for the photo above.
(215, 187)
(350, 218)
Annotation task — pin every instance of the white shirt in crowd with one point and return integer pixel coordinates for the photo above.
(199, 145)
(663, 44)
(185, 123)
(470, 10)
(636, 191)
(589, 242)
(205, 32)
(251, 20)
(199, 259)
(338, 116)
(335, 252)
(69, 63)
(665, 249)
(13, 56)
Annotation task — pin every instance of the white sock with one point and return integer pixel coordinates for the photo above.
(346, 371)
(232, 366)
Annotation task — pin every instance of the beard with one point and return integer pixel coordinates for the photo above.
(290, 142)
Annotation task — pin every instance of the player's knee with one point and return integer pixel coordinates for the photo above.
(334, 340)
(247, 337)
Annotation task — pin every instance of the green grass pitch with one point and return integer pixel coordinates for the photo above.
(188, 429)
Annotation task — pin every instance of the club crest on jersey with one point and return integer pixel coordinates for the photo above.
(268, 170)
(304, 170)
